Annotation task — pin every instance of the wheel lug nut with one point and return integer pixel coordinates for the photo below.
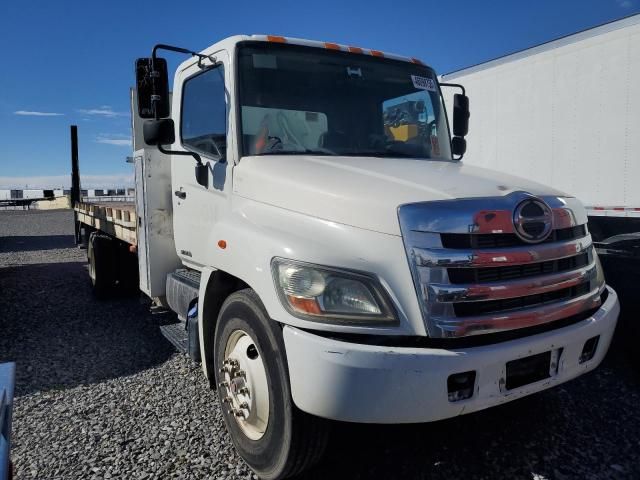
(223, 385)
(227, 400)
(241, 373)
(239, 414)
(244, 405)
(244, 391)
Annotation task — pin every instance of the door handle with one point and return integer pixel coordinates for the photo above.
(180, 194)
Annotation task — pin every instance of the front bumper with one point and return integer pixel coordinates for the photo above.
(375, 384)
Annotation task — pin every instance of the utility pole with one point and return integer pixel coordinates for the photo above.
(75, 180)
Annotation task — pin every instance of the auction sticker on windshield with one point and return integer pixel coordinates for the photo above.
(424, 83)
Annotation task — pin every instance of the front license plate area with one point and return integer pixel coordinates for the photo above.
(528, 370)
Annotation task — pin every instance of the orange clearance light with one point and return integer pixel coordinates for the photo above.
(276, 38)
(133, 248)
(222, 244)
(355, 49)
(331, 46)
(307, 305)
(377, 53)
(417, 60)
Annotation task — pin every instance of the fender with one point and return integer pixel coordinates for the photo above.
(215, 286)
(204, 330)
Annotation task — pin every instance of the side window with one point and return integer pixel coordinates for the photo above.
(203, 124)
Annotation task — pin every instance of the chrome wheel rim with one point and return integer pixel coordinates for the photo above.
(244, 385)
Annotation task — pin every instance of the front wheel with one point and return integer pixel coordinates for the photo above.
(276, 439)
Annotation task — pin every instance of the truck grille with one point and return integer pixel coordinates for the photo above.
(474, 274)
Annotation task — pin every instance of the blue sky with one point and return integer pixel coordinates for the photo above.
(71, 62)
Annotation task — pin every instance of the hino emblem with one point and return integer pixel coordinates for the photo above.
(533, 220)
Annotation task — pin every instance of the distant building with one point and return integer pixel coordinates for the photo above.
(17, 194)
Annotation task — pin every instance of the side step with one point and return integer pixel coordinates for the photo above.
(177, 334)
(182, 291)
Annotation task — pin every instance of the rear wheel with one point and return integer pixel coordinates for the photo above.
(101, 255)
(271, 434)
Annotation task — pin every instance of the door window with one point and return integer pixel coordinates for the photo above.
(203, 125)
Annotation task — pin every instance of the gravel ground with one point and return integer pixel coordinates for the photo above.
(101, 394)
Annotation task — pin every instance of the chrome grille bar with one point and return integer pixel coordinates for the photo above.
(485, 215)
(499, 322)
(440, 257)
(499, 290)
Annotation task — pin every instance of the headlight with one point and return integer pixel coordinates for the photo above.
(330, 295)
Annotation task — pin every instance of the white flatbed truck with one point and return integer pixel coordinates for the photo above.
(332, 255)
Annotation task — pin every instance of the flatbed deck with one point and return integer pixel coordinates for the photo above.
(117, 219)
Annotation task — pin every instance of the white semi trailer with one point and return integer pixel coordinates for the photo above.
(567, 114)
(301, 204)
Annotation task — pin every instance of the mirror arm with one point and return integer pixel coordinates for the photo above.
(179, 152)
(455, 85)
(171, 48)
(160, 46)
(201, 170)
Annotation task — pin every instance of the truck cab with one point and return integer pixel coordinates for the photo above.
(348, 265)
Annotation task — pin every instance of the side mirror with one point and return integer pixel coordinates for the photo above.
(202, 174)
(152, 85)
(159, 132)
(460, 115)
(458, 146)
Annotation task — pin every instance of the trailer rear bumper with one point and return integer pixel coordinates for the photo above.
(374, 384)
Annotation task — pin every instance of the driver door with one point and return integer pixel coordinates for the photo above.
(202, 112)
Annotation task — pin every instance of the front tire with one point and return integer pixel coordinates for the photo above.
(274, 437)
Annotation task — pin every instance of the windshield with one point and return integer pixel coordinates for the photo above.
(297, 99)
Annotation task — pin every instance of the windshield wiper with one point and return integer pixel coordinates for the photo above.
(306, 151)
(382, 154)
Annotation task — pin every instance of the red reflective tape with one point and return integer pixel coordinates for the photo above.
(377, 53)
(355, 49)
(618, 209)
(598, 208)
(332, 46)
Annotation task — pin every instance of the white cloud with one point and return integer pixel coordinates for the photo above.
(114, 139)
(64, 181)
(103, 111)
(30, 113)
(624, 3)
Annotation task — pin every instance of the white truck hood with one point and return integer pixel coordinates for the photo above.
(365, 192)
